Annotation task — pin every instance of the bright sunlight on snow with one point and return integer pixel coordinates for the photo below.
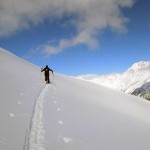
(69, 114)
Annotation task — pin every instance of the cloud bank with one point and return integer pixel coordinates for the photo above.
(90, 17)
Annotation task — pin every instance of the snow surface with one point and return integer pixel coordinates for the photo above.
(69, 114)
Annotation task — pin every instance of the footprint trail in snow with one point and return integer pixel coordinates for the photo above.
(35, 136)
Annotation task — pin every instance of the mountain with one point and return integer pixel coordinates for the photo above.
(136, 80)
(69, 114)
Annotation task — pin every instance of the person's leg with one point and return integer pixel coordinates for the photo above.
(45, 78)
(48, 79)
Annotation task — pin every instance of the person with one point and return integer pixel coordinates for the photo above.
(46, 70)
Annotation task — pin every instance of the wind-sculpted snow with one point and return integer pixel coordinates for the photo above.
(69, 114)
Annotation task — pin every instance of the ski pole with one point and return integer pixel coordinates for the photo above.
(53, 77)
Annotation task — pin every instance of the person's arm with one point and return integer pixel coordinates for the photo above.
(42, 69)
(51, 70)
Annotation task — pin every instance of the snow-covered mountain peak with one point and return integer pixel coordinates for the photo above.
(139, 66)
(135, 80)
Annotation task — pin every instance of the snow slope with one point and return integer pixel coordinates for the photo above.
(20, 85)
(136, 80)
(69, 114)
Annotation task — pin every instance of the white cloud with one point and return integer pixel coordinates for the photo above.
(91, 16)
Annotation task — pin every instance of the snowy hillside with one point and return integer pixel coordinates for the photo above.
(69, 114)
(136, 80)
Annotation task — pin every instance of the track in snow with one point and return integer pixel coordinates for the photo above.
(34, 139)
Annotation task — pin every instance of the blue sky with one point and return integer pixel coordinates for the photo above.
(75, 39)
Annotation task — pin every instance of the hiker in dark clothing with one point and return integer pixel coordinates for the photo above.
(46, 70)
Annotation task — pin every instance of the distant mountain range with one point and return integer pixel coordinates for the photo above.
(136, 80)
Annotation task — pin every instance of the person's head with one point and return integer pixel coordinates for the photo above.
(46, 66)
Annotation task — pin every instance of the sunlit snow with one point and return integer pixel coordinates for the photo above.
(69, 114)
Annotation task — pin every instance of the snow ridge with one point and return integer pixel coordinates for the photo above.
(34, 139)
(139, 66)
